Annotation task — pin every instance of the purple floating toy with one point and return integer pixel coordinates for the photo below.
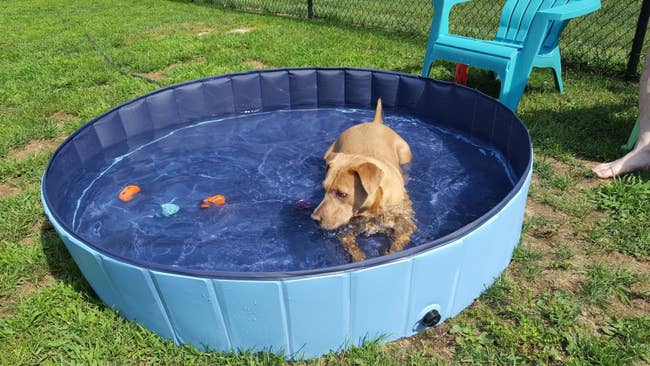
(302, 205)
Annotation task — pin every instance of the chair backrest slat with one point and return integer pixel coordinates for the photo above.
(518, 15)
(521, 18)
(555, 29)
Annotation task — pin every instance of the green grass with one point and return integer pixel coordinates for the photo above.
(603, 283)
(627, 201)
(622, 342)
(557, 303)
(527, 262)
(563, 257)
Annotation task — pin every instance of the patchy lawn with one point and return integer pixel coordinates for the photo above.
(576, 292)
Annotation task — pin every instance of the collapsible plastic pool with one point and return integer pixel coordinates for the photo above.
(256, 273)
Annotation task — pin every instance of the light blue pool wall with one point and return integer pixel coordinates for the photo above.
(306, 317)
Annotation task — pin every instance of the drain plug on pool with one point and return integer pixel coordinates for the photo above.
(431, 318)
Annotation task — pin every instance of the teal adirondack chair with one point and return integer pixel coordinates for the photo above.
(528, 35)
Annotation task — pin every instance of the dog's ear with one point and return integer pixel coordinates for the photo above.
(331, 156)
(370, 176)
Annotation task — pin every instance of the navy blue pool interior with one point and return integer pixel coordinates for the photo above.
(264, 163)
(258, 139)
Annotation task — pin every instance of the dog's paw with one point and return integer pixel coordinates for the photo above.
(358, 256)
(394, 248)
(387, 251)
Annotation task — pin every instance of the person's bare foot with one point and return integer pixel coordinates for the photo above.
(637, 159)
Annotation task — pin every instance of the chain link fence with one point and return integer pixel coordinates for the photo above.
(600, 41)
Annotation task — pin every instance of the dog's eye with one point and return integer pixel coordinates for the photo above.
(340, 194)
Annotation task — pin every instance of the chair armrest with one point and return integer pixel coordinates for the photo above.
(571, 10)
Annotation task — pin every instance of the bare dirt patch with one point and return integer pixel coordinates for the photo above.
(7, 191)
(163, 75)
(36, 147)
(28, 287)
(60, 117)
(205, 32)
(435, 342)
(562, 279)
(257, 65)
(154, 75)
(241, 30)
(24, 289)
(171, 29)
(36, 230)
(253, 9)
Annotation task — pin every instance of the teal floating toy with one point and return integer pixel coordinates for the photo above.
(169, 209)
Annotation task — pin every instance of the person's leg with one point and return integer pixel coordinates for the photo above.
(639, 157)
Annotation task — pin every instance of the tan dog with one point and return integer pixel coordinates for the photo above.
(364, 186)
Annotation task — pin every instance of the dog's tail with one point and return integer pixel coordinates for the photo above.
(378, 113)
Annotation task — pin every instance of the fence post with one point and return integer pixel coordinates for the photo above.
(637, 44)
(310, 9)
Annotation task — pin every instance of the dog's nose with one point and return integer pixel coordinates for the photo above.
(316, 217)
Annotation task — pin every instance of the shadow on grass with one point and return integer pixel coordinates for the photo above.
(559, 126)
(62, 266)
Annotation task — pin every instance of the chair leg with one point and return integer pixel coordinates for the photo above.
(511, 91)
(429, 56)
(428, 61)
(426, 68)
(557, 73)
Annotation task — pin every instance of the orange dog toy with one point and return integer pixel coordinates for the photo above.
(216, 200)
(128, 193)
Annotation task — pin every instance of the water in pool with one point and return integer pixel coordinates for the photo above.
(264, 163)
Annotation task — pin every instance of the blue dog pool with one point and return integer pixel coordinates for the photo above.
(256, 273)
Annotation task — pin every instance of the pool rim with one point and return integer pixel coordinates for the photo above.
(452, 237)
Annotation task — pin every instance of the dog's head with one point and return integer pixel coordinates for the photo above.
(353, 184)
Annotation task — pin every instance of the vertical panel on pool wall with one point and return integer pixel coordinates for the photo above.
(379, 301)
(303, 89)
(137, 122)
(318, 313)
(111, 135)
(89, 264)
(89, 148)
(163, 110)
(513, 214)
(410, 90)
(139, 296)
(385, 87)
(435, 102)
(194, 311)
(254, 312)
(190, 102)
(274, 88)
(330, 85)
(219, 99)
(482, 255)
(357, 85)
(246, 93)
(433, 282)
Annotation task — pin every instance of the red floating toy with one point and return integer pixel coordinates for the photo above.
(216, 200)
(129, 192)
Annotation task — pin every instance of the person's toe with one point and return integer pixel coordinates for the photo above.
(603, 170)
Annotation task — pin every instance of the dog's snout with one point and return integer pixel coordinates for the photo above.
(316, 217)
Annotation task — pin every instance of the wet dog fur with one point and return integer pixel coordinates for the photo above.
(364, 187)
